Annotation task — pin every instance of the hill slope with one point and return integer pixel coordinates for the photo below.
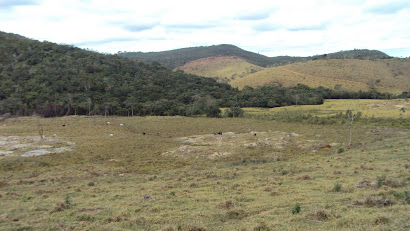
(54, 80)
(387, 75)
(223, 68)
(179, 57)
(175, 58)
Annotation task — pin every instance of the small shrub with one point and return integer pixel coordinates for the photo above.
(380, 180)
(67, 200)
(172, 194)
(340, 150)
(296, 208)
(284, 172)
(337, 188)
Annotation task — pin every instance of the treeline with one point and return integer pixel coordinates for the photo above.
(57, 80)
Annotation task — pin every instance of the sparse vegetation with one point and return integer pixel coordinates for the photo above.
(225, 192)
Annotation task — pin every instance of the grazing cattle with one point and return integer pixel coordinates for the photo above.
(143, 133)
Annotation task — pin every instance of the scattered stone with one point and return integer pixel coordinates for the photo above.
(121, 125)
(111, 135)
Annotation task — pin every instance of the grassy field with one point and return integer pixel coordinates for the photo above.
(390, 75)
(398, 108)
(225, 68)
(173, 173)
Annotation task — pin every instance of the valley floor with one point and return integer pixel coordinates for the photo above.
(171, 173)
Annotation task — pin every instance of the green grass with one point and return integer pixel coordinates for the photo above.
(124, 182)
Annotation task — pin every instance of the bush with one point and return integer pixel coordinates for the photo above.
(296, 208)
(337, 188)
(234, 112)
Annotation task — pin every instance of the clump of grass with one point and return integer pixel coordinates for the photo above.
(228, 204)
(261, 227)
(371, 201)
(296, 209)
(235, 214)
(337, 187)
(304, 177)
(381, 220)
(3, 183)
(380, 180)
(405, 195)
(340, 150)
(320, 215)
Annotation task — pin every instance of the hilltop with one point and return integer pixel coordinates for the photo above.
(176, 58)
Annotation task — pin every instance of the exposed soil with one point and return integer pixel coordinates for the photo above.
(229, 143)
(26, 146)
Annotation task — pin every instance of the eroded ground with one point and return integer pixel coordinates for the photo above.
(26, 146)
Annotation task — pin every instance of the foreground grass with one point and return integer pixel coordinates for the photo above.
(123, 182)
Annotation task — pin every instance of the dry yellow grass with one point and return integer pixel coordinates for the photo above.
(368, 107)
(225, 68)
(391, 75)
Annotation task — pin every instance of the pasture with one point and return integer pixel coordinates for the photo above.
(174, 173)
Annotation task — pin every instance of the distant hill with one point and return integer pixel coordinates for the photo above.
(176, 58)
(385, 75)
(222, 68)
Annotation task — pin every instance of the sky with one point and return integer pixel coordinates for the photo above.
(271, 28)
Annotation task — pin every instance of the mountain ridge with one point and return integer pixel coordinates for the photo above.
(178, 57)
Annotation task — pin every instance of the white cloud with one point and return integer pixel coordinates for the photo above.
(296, 28)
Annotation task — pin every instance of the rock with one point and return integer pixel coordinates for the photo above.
(111, 135)
(121, 125)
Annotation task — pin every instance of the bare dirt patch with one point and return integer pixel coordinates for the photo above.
(229, 143)
(26, 146)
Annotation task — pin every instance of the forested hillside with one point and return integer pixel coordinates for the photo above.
(55, 80)
(59, 80)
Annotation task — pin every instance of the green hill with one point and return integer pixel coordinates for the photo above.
(175, 58)
(179, 57)
(55, 80)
